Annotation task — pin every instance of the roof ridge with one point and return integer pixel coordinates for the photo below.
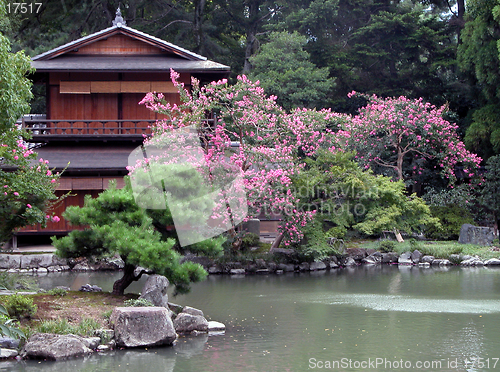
(129, 30)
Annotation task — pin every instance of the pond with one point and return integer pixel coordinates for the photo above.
(368, 318)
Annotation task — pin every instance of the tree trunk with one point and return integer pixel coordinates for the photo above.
(276, 243)
(199, 8)
(399, 164)
(127, 279)
(251, 31)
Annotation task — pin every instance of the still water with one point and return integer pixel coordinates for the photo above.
(363, 319)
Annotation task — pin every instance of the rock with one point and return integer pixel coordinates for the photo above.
(103, 348)
(470, 234)
(214, 270)
(176, 309)
(187, 323)
(405, 259)
(91, 342)
(472, 261)
(214, 326)
(192, 311)
(54, 347)
(286, 267)
(317, 266)
(8, 353)
(349, 261)
(42, 270)
(83, 266)
(333, 265)
(155, 290)
(416, 256)
(304, 266)
(41, 260)
(8, 343)
(111, 263)
(441, 262)
(262, 271)
(142, 326)
(373, 259)
(237, 271)
(356, 253)
(492, 261)
(10, 261)
(424, 264)
(428, 259)
(389, 257)
(90, 288)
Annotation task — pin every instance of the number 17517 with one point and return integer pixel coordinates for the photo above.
(24, 7)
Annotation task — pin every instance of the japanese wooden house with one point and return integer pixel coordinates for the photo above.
(93, 120)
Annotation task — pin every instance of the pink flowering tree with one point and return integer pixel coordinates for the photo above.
(394, 132)
(26, 185)
(252, 133)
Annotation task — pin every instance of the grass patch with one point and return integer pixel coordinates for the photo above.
(438, 249)
(86, 327)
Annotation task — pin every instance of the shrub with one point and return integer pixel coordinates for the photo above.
(387, 246)
(19, 306)
(250, 240)
(58, 292)
(138, 302)
(452, 217)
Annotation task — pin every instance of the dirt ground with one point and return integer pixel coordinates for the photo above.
(76, 306)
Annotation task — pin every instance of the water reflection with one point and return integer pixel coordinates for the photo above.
(279, 322)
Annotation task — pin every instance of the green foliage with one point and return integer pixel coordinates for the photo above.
(250, 240)
(20, 306)
(284, 70)
(119, 226)
(387, 246)
(490, 194)
(451, 218)
(25, 189)
(345, 198)
(138, 302)
(61, 292)
(8, 326)
(314, 246)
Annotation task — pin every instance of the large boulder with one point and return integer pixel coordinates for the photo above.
(142, 326)
(187, 323)
(155, 290)
(54, 347)
(405, 259)
(470, 234)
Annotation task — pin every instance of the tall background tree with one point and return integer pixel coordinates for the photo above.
(479, 58)
(26, 187)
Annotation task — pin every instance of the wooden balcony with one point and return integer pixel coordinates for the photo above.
(43, 130)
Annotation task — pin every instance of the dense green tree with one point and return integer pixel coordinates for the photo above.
(478, 55)
(387, 48)
(114, 224)
(26, 189)
(490, 194)
(284, 70)
(346, 197)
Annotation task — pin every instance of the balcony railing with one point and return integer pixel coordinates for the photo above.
(90, 129)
